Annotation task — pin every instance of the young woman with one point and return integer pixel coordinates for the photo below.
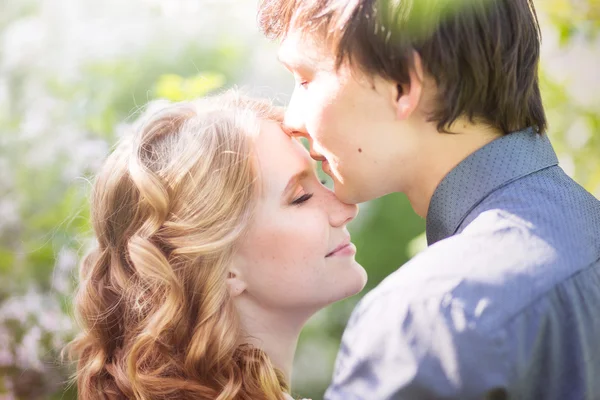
(216, 242)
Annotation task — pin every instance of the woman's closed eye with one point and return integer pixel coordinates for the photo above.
(302, 199)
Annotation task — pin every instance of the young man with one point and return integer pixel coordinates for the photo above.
(440, 100)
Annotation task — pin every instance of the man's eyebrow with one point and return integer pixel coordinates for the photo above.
(287, 62)
(292, 61)
(294, 180)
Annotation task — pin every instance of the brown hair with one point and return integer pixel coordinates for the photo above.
(483, 54)
(168, 208)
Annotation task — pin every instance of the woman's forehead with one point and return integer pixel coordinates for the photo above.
(280, 156)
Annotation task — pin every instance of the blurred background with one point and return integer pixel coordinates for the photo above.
(74, 73)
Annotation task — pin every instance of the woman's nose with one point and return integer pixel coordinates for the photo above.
(341, 213)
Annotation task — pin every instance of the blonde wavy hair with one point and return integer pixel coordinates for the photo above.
(168, 208)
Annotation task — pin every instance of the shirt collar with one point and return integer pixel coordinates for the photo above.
(496, 164)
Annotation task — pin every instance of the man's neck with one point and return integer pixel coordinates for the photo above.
(443, 153)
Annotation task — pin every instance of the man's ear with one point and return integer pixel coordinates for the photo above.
(235, 282)
(408, 94)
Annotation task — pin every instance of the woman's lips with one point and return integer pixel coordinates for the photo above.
(346, 249)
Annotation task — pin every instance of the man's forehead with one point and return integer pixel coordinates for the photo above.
(298, 47)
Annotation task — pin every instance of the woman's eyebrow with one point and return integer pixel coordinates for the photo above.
(294, 180)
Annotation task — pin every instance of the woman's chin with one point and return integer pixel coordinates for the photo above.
(361, 278)
(353, 282)
(348, 280)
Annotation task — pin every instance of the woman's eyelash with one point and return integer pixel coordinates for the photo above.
(302, 199)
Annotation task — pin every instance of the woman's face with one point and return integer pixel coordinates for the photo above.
(297, 253)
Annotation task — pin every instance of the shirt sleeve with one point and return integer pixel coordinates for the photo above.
(398, 348)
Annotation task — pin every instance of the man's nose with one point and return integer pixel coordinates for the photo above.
(314, 153)
(294, 123)
(294, 118)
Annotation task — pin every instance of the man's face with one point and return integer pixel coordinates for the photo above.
(348, 117)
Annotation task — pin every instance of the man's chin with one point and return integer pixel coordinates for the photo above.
(345, 195)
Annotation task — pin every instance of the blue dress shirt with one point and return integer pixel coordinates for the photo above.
(505, 301)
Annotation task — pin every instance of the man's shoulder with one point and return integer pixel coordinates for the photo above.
(491, 270)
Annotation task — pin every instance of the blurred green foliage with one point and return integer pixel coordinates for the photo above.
(178, 88)
(44, 224)
(572, 18)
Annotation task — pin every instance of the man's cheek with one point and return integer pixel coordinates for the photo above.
(324, 124)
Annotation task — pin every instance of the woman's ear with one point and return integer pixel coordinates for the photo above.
(408, 94)
(235, 283)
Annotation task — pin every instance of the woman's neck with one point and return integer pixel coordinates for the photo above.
(274, 334)
(280, 348)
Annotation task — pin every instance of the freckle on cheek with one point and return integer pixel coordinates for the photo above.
(359, 150)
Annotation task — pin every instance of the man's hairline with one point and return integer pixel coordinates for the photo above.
(318, 38)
